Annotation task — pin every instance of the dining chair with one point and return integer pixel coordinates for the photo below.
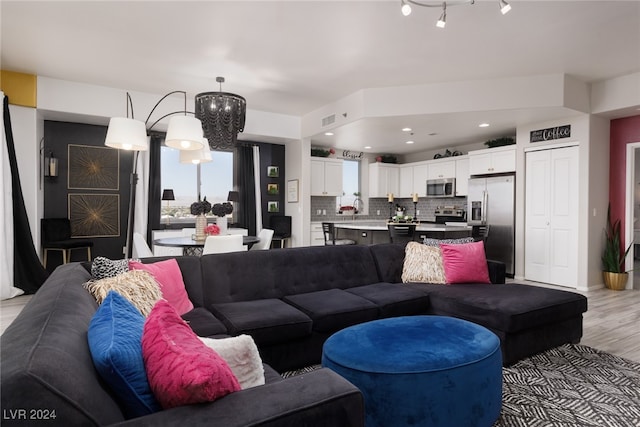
(223, 244)
(329, 231)
(401, 233)
(140, 247)
(480, 232)
(56, 236)
(281, 226)
(265, 236)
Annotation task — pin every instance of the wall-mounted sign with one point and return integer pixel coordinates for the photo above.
(352, 155)
(549, 134)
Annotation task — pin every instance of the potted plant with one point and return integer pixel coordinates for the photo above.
(613, 258)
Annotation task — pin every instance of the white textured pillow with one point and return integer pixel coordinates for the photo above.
(241, 354)
(422, 264)
(138, 286)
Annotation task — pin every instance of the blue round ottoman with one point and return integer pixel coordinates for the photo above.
(421, 370)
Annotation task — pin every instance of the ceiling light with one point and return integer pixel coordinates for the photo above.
(222, 115)
(406, 129)
(483, 125)
(328, 133)
(410, 142)
(406, 7)
(504, 7)
(367, 147)
(442, 21)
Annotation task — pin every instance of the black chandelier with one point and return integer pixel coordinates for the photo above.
(222, 115)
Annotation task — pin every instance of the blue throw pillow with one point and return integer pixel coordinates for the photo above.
(115, 342)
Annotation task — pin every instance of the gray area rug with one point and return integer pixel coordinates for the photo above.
(568, 386)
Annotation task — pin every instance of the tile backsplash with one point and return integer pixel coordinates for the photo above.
(426, 206)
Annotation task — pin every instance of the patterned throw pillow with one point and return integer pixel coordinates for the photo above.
(437, 242)
(102, 268)
(422, 264)
(181, 369)
(139, 287)
(115, 342)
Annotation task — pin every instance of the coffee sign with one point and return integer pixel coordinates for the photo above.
(549, 134)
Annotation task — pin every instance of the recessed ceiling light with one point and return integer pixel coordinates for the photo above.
(409, 142)
(483, 125)
(433, 133)
(367, 147)
(328, 133)
(406, 129)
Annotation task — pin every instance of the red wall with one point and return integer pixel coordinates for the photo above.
(623, 132)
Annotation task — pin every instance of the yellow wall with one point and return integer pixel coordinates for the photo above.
(20, 88)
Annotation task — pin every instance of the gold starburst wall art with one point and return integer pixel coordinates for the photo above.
(94, 215)
(93, 168)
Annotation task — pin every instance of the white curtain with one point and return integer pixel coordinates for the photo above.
(7, 290)
(256, 173)
(141, 213)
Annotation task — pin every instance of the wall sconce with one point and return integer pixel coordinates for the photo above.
(50, 165)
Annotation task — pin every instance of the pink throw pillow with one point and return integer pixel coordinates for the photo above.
(465, 263)
(167, 274)
(181, 369)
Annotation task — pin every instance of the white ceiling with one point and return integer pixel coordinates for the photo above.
(293, 57)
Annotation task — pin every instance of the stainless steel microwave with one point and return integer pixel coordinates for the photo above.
(441, 187)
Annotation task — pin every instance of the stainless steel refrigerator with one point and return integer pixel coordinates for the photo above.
(491, 202)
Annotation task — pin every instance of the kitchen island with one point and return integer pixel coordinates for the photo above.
(374, 232)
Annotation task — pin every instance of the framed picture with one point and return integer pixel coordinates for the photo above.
(273, 172)
(93, 168)
(94, 215)
(272, 207)
(292, 191)
(272, 189)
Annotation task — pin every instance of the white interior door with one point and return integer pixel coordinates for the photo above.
(551, 240)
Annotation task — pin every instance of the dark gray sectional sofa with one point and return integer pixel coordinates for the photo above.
(290, 301)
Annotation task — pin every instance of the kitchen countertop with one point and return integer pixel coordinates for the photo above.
(382, 226)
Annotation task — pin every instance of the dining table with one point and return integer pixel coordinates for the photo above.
(191, 247)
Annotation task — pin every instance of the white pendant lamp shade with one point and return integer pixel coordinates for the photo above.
(184, 133)
(126, 134)
(195, 157)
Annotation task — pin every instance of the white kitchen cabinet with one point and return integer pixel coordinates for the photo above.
(326, 177)
(492, 160)
(462, 176)
(317, 236)
(384, 178)
(406, 181)
(420, 176)
(442, 169)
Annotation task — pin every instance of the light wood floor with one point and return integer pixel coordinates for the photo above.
(611, 324)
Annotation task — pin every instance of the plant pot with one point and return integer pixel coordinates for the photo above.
(615, 281)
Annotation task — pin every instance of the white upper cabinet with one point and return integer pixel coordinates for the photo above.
(492, 160)
(326, 177)
(384, 178)
(462, 176)
(442, 169)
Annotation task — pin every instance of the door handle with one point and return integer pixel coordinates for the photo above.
(485, 199)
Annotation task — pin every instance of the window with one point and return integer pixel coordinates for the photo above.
(215, 180)
(350, 186)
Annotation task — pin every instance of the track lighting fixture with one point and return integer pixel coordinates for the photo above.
(405, 7)
(504, 7)
(442, 22)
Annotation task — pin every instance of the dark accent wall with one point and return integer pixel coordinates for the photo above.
(623, 131)
(57, 137)
(271, 155)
